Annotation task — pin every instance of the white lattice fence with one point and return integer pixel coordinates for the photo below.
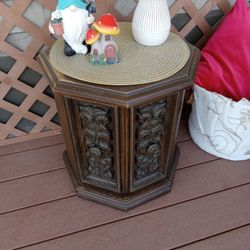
(27, 108)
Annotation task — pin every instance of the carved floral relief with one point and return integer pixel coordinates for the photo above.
(149, 130)
(96, 122)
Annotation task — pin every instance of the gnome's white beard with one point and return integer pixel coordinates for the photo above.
(75, 28)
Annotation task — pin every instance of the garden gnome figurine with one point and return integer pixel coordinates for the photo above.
(75, 21)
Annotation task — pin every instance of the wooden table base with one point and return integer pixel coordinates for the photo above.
(121, 140)
(124, 202)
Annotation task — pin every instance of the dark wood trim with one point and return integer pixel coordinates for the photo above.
(125, 148)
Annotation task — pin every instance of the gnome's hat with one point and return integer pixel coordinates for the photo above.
(62, 4)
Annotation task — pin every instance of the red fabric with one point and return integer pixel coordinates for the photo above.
(225, 60)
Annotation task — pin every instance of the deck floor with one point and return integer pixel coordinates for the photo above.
(207, 209)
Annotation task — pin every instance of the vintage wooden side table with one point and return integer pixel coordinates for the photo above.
(120, 121)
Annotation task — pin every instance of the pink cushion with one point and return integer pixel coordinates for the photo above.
(225, 60)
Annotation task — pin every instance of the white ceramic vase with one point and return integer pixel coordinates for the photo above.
(151, 22)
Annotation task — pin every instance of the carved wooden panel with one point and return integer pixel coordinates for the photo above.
(99, 151)
(96, 122)
(149, 130)
(152, 151)
(27, 108)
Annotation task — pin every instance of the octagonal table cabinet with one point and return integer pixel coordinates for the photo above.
(120, 121)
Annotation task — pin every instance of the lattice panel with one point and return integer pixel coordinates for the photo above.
(198, 22)
(193, 20)
(26, 102)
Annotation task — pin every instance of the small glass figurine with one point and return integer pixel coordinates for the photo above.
(103, 50)
(71, 19)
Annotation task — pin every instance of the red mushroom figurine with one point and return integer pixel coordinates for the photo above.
(105, 50)
(92, 36)
(107, 25)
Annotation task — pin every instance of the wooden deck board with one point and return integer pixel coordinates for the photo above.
(74, 214)
(166, 228)
(38, 206)
(237, 239)
(34, 190)
(31, 162)
(31, 145)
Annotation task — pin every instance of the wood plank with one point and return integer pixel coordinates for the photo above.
(201, 180)
(30, 145)
(191, 154)
(50, 157)
(31, 162)
(56, 219)
(236, 239)
(16, 198)
(166, 228)
(35, 135)
(35, 190)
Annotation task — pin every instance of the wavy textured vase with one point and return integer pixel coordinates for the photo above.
(151, 22)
